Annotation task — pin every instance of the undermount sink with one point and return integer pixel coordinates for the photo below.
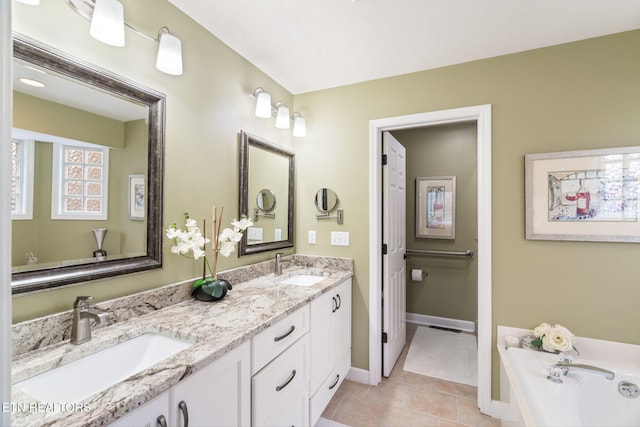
(302, 280)
(91, 374)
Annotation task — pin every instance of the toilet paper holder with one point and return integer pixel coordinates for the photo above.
(417, 274)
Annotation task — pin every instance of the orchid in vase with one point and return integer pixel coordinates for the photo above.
(191, 242)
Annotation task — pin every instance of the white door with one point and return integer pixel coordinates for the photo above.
(394, 213)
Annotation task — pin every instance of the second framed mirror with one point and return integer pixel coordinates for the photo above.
(266, 194)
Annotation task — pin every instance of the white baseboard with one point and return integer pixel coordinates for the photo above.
(443, 322)
(495, 409)
(358, 375)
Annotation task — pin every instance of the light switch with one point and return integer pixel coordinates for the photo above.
(339, 238)
(312, 237)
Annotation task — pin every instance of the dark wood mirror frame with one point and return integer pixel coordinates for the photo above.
(247, 140)
(89, 74)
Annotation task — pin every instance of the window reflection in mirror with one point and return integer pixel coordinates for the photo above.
(266, 194)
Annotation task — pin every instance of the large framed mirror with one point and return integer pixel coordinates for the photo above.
(87, 165)
(267, 175)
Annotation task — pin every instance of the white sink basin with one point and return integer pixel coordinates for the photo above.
(91, 374)
(302, 280)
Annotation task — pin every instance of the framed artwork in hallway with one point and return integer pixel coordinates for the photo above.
(435, 207)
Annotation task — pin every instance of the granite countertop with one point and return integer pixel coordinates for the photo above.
(214, 328)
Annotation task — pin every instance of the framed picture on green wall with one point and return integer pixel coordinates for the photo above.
(436, 207)
(591, 195)
(137, 199)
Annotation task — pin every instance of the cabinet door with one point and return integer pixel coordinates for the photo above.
(342, 318)
(330, 332)
(148, 414)
(217, 395)
(322, 310)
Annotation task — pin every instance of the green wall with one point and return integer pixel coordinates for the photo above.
(581, 95)
(450, 290)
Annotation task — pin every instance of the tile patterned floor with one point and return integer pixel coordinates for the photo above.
(406, 399)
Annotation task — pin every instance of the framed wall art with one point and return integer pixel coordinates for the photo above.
(590, 195)
(137, 202)
(435, 207)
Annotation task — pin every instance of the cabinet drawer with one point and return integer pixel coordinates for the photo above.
(280, 382)
(328, 388)
(278, 337)
(295, 413)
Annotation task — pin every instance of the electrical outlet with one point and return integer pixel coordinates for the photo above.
(312, 237)
(339, 238)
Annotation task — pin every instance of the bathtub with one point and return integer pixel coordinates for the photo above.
(583, 399)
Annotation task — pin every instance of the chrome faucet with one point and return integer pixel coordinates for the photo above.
(82, 314)
(563, 368)
(279, 262)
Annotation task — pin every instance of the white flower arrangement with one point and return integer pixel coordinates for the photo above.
(553, 339)
(191, 242)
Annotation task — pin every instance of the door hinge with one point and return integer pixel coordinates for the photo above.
(384, 249)
(384, 338)
(384, 160)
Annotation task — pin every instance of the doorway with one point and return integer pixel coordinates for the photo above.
(482, 116)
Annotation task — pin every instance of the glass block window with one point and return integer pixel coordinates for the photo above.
(82, 177)
(21, 179)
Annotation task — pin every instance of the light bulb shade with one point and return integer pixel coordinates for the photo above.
(282, 119)
(169, 58)
(107, 22)
(263, 105)
(299, 126)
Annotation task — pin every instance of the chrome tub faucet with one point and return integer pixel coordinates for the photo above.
(82, 314)
(562, 368)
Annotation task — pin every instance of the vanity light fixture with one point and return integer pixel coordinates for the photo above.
(282, 116)
(169, 53)
(263, 103)
(107, 22)
(299, 125)
(280, 111)
(107, 26)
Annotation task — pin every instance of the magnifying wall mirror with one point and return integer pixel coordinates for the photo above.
(326, 200)
(109, 172)
(266, 200)
(266, 171)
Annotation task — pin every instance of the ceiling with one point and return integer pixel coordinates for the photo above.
(308, 45)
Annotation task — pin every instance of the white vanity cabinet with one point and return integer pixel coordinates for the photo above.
(330, 345)
(280, 363)
(154, 413)
(216, 395)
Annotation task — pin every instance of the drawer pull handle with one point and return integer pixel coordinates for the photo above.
(334, 306)
(185, 412)
(289, 332)
(286, 383)
(335, 383)
(162, 421)
(339, 302)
